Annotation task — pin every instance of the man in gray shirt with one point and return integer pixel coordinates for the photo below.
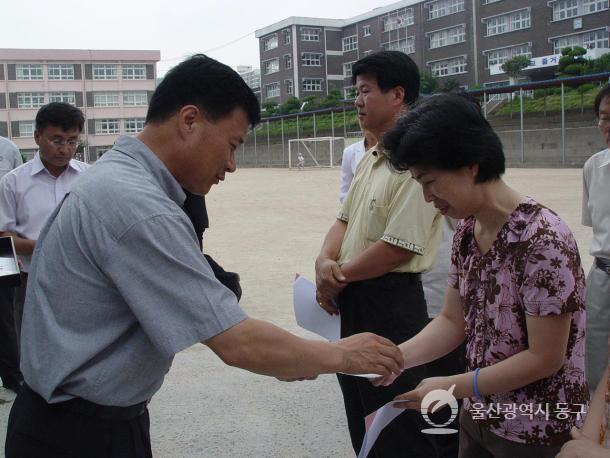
(10, 158)
(118, 285)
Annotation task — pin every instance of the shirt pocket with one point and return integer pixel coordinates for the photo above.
(377, 221)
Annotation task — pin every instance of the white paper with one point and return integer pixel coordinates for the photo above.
(310, 315)
(375, 422)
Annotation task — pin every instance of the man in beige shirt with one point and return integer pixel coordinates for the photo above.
(369, 266)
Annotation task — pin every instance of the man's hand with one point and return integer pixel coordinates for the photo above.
(327, 304)
(330, 281)
(368, 353)
(582, 446)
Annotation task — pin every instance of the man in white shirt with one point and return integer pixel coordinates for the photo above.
(596, 214)
(351, 157)
(30, 193)
(10, 158)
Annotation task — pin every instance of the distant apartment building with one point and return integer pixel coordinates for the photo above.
(466, 40)
(112, 88)
(252, 77)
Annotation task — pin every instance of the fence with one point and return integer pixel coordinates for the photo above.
(548, 123)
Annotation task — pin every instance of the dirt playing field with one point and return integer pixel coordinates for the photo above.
(268, 224)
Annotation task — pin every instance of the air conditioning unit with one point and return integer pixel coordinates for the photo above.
(577, 23)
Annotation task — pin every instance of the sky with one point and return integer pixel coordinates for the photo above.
(222, 29)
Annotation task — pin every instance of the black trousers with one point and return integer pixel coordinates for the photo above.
(37, 429)
(18, 303)
(9, 354)
(392, 306)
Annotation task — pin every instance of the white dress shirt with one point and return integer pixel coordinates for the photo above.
(29, 194)
(351, 156)
(596, 202)
(10, 158)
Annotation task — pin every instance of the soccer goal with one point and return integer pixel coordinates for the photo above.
(315, 152)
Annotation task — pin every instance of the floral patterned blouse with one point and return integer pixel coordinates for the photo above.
(532, 268)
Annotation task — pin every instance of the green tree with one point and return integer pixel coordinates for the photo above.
(333, 99)
(428, 83)
(451, 84)
(572, 61)
(514, 67)
(270, 109)
(292, 105)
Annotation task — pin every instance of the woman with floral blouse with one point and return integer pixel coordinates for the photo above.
(516, 290)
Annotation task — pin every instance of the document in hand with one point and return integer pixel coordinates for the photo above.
(310, 315)
(374, 424)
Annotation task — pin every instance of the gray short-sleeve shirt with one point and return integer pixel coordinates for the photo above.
(118, 285)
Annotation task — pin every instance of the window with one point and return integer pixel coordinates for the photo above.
(65, 97)
(508, 22)
(28, 71)
(61, 71)
(26, 128)
(406, 45)
(448, 37)
(270, 42)
(499, 56)
(589, 40)
(134, 71)
(593, 6)
(288, 61)
(349, 92)
(133, 126)
(310, 34)
(347, 69)
(398, 19)
(312, 84)
(104, 72)
(350, 43)
(107, 126)
(272, 90)
(440, 8)
(135, 99)
(366, 31)
(287, 36)
(30, 99)
(311, 59)
(289, 87)
(448, 67)
(272, 66)
(565, 9)
(105, 99)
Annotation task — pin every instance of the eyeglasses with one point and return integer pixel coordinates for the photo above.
(71, 143)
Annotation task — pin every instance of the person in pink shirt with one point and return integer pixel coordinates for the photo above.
(516, 290)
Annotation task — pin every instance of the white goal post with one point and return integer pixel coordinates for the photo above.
(316, 151)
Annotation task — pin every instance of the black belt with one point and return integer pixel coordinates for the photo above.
(91, 409)
(393, 277)
(603, 264)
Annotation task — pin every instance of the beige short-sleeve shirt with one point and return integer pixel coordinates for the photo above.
(383, 204)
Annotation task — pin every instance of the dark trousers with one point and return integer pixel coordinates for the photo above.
(37, 429)
(9, 355)
(479, 442)
(392, 306)
(447, 446)
(18, 302)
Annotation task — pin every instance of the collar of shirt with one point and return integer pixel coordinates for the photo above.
(378, 153)
(38, 166)
(141, 153)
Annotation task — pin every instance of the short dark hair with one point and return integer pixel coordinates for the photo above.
(59, 114)
(603, 93)
(446, 132)
(214, 88)
(390, 69)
